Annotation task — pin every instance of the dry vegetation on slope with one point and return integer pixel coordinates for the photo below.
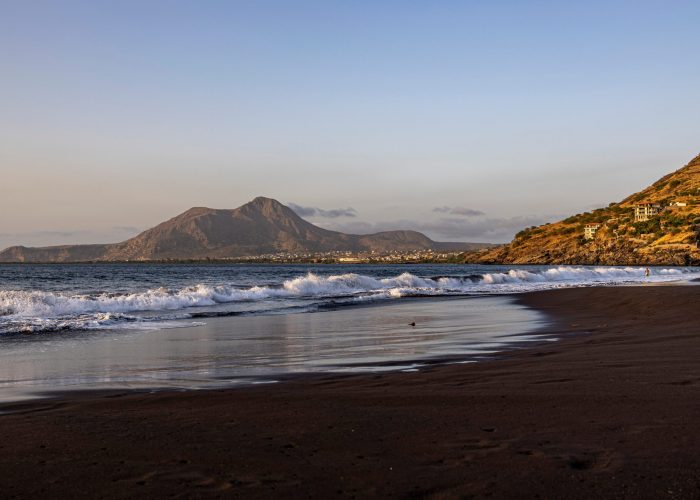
(670, 238)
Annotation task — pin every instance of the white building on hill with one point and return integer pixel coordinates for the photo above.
(589, 230)
(645, 211)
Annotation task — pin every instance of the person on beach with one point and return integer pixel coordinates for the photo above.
(647, 272)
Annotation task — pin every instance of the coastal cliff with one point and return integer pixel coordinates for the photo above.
(659, 225)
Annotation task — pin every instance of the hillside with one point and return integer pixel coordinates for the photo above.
(616, 235)
(262, 226)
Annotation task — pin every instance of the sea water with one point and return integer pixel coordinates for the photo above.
(190, 326)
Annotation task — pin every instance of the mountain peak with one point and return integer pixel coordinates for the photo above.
(194, 211)
(268, 208)
(261, 226)
(264, 201)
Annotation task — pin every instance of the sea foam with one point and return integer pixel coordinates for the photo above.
(41, 310)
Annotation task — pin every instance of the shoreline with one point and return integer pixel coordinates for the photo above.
(297, 346)
(606, 410)
(215, 262)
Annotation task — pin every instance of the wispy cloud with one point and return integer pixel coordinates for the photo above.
(466, 212)
(478, 229)
(68, 237)
(333, 213)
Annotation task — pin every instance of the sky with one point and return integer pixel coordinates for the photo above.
(465, 120)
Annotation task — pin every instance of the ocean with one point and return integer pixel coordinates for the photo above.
(66, 327)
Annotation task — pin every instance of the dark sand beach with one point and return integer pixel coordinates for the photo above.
(610, 410)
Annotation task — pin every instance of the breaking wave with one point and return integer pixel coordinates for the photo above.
(581, 274)
(31, 311)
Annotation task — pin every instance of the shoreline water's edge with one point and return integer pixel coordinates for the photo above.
(521, 333)
(607, 411)
(552, 327)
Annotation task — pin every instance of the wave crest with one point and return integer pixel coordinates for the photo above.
(56, 310)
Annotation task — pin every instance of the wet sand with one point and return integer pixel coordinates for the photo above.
(234, 351)
(610, 410)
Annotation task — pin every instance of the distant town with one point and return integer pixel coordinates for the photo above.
(346, 257)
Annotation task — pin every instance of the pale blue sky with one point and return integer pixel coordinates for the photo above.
(118, 115)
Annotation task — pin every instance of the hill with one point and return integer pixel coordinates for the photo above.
(262, 226)
(659, 225)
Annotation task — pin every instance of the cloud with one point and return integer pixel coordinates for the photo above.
(68, 237)
(480, 229)
(333, 213)
(466, 212)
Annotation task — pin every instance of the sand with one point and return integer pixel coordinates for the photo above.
(611, 410)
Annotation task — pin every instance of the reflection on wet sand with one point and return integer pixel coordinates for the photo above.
(226, 351)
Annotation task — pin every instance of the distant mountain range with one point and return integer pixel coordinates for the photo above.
(262, 226)
(659, 225)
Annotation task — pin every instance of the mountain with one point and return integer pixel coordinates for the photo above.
(262, 226)
(618, 233)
